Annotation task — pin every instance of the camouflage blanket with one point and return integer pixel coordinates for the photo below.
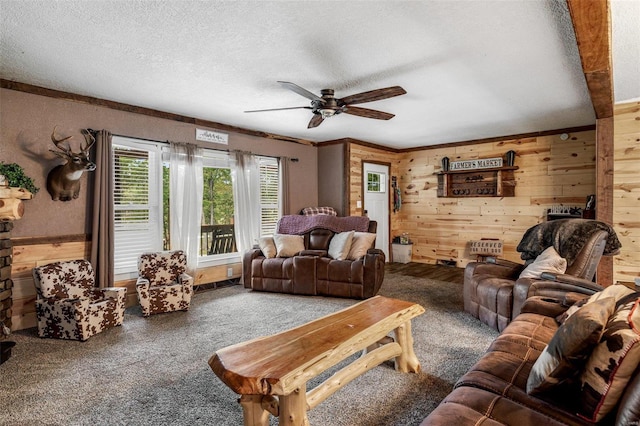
(567, 236)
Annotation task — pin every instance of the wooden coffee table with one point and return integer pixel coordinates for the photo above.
(271, 373)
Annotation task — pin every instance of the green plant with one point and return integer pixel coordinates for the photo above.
(15, 177)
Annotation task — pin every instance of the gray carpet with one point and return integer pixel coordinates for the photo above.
(154, 371)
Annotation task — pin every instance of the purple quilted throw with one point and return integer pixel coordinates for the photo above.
(299, 224)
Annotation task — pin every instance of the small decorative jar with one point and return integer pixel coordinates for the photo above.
(511, 158)
(445, 164)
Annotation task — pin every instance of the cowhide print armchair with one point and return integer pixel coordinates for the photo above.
(163, 285)
(70, 306)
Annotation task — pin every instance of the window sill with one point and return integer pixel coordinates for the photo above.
(203, 262)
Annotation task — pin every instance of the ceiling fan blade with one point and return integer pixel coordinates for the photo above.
(374, 95)
(368, 113)
(301, 91)
(279, 109)
(316, 120)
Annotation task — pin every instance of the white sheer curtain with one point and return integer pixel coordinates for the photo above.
(245, 174)
(185, 186)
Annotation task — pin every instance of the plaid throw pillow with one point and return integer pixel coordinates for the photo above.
(312, 211)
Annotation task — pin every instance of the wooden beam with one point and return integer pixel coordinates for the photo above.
(592, 25)
(604, 189)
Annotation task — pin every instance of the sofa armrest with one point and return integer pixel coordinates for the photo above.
(547, 306)
(498, 268)
(580, 283)
(572, 298)
(373, 263)
(562, 284)
(247, 258)
(118, 293)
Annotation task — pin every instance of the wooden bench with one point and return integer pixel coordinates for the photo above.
(271, 373)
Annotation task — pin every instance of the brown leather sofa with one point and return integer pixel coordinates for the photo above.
(493, 291)
(493, 391)
(313, 272)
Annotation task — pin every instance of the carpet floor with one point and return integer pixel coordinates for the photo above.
(154, 371)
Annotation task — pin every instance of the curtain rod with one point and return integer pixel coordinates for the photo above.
(213, 149)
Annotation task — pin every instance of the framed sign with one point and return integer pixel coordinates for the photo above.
(479, 163)
(211, 136)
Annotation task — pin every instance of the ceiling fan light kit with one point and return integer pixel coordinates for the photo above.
(327, 105)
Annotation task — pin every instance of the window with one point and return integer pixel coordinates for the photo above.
(217, 227)
(376, 182)
(141, 202)
(137, 201)
(269, 195)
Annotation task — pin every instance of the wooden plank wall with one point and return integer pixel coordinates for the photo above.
(359, 154)
(626, 190)
(28, 256)
(551, 171)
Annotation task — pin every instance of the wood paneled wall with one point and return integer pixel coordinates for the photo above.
(359, 154)
(28, 256)
(551, 172)
(626, 190)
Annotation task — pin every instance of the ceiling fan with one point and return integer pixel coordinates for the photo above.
(327, 105)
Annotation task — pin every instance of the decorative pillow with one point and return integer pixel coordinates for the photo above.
(288, 245)
(613, 361)
(340, 245)
(548, 261)
(617, 291)
(362, 241)
(268, 247)
(567, 352)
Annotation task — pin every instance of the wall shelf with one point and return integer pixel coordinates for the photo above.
(494, 182)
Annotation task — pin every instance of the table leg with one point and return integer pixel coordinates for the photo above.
(407, 361)
(252, 411)
(293, 408)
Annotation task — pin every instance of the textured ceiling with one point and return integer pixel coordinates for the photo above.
(471, 69)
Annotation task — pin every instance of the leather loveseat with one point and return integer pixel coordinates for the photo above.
(494, 391)
(312, 271)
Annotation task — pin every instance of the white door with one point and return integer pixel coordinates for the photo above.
(376, 201)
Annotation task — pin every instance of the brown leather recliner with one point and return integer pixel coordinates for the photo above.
(313, 272)
(493, 291)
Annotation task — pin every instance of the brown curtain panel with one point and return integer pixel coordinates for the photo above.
(102, 225)
(284, 176)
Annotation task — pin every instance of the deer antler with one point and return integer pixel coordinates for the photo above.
(89, 139)
(57, 142)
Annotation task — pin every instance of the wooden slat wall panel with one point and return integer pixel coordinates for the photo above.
(26, 257)
(626, 190)
(358, 155)
(551, 171)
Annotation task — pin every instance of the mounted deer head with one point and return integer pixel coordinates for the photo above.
(63, 181)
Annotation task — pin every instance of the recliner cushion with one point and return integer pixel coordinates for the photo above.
(319, 239)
